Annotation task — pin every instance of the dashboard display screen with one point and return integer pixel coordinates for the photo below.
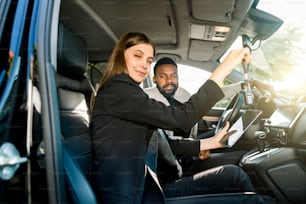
(286, 116)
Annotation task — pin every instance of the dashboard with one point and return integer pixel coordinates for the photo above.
(286, 126)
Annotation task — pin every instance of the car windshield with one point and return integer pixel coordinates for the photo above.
(277, 60)
(285, 51)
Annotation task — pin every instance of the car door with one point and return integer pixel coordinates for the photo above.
(28, 51)
(46, 62)
(13, 115)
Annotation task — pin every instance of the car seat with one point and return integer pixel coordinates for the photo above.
(74, 92)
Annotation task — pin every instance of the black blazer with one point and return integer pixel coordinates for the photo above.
(123, 120)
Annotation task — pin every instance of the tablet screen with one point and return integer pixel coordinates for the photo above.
(242, 124)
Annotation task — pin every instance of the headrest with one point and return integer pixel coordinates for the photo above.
(71, 53)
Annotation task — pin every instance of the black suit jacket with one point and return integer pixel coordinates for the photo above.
(123, 120)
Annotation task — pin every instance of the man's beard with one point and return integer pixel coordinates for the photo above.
(167, 94)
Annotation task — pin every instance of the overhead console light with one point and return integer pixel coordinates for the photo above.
(208, 32)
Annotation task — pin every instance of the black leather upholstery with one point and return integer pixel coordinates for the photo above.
(71, 54)
(73, 91)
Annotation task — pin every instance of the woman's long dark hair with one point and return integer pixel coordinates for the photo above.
(116, 63)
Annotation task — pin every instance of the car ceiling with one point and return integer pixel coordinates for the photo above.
(187, 30)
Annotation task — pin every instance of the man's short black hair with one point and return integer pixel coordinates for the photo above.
(164, 60)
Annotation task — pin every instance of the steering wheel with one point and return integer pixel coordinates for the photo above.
(232, 112)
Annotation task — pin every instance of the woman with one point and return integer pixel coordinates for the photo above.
(124, 118)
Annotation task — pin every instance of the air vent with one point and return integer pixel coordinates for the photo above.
(208, 32)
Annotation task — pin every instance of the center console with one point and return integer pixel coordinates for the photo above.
(280, 126)
(279, 172)
(279, 169)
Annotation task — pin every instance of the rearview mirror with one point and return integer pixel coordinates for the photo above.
(260, 25)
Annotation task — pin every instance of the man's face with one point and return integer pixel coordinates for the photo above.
(166, 79)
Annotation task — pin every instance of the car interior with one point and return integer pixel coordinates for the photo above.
(191, 32)
(74, 91)
(67, 61)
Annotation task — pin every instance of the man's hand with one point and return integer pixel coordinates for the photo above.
(204, 154)
(263, 87)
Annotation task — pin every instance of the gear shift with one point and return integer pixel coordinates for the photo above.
(261, 140)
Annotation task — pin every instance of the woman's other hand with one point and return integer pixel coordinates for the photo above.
(218, 140)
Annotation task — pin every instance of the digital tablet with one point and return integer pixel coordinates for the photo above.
(241, 125)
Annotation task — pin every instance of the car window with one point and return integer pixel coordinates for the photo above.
(286, 51)
(279, 59)
(191, 78)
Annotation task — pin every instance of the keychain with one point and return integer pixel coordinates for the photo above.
(248, 95)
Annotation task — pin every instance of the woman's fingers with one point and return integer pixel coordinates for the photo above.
(224, 135)
(246, 55)
(238, 56)
(225, 128)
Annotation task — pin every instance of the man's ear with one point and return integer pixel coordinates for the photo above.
(154, 80)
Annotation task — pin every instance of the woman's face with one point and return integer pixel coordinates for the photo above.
(138, 60)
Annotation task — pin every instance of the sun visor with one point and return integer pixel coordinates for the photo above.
(202, 50)
(213, 10)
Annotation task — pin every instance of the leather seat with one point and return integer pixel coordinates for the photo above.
(74, 92)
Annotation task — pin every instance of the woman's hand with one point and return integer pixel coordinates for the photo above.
(218, 140)
(234, 58)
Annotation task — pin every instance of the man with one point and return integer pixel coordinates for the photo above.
(169, 92)
(185, 145)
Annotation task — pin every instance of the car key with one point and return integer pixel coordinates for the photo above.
(248, 95)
